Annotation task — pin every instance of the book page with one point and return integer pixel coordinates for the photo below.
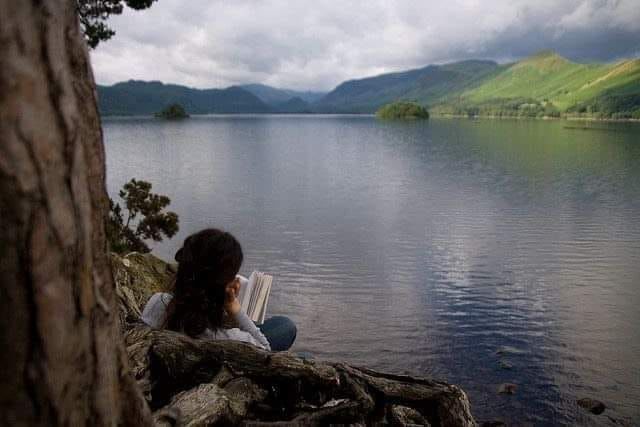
(264, 298)
(254, 295)
(251, 309)
(246, 287)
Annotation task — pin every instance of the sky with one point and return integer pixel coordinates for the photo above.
(315, 45)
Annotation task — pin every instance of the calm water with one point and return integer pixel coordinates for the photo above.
(444, 249)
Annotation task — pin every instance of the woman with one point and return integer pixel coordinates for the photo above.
(204, 299)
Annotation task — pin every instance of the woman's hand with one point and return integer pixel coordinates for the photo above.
(231, 303)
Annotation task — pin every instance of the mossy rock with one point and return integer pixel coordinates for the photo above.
(137, 277)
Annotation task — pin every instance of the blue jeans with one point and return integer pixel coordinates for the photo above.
(280, 331)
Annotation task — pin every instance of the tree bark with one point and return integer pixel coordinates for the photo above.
(63, 362)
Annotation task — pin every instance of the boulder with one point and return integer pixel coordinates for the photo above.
(507, 388)
(138, 276)
(592, 405)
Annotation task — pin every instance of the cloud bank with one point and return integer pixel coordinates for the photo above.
(318, 44)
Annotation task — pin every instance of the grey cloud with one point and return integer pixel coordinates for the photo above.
(316, 45)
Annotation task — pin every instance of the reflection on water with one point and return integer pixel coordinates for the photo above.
(480, 252)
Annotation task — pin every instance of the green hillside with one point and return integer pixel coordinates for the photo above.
(546, 83)
(425, 85)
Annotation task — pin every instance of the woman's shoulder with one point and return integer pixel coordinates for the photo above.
(155, 310)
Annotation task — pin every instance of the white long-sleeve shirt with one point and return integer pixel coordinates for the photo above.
(155, 311)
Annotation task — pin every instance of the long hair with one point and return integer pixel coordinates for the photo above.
(207, 262)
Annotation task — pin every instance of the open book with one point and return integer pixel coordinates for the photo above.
(254, 295)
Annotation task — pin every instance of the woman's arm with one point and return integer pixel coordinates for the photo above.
(247, 325)
(232, 307)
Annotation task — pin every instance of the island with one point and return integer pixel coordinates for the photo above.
(403, 110)
(172, 112)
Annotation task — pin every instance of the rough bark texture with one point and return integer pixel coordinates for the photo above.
(194, 382)
(63, 362)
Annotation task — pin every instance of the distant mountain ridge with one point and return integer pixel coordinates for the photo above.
(274, 96)
(146, 98)
(544, 84)
(425, 85)
(136, 97)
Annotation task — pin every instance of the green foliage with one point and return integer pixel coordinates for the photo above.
(500, 107)
(173, 111)
(609, 106)
(145, 218)
(402, 110)
(94, 13)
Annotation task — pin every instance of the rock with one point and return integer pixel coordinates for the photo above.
(505, 365)
(204, 405)
(508, 350)
(592, 405)
(222, 377)
(404, 416)
(243, 394)
(507, 388)
(138, 276)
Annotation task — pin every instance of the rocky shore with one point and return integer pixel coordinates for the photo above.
(191, 382)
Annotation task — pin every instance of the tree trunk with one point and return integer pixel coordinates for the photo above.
(63, 362)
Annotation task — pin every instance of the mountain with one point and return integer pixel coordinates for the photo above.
(544, 84)
(146, 98)
(425, 85)
(548, 82)
(274, 96)
(294, 105)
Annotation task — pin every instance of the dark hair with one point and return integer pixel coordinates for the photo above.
(207, 262)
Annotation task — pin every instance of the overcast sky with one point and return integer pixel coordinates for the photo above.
(318, 44)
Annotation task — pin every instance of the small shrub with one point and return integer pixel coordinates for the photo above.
(145, 218)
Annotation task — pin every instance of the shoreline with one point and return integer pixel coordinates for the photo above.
(568, 118)
(433, 115)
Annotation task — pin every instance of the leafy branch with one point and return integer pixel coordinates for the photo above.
(142, 219)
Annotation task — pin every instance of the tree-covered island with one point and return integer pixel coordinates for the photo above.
(402, 110)
(172, 112)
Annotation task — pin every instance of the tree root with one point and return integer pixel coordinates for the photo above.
(196, 382)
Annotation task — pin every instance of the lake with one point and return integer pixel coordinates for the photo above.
(473, 251)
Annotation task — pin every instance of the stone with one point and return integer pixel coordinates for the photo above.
(405, 416)
(507, 388)
(592, 405)
(137, 277)
(505, 365)
(508, 350)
